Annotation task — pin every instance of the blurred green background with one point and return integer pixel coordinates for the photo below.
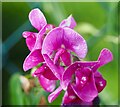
(97, 22)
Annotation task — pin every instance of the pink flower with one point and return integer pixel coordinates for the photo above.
(34, 42)
(70, 98)
(53, 47)
(59, 44)
(81, 80)
(84, 78)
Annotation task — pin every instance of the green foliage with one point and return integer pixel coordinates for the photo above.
(16, 94)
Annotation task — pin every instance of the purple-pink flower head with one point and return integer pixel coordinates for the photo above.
(70, 98)
(64, 39)
(53, 47)
(38, 21)
(59, 44)
(34, 40)
(46, 78)
(84, 78)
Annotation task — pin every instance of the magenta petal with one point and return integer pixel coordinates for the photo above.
(52, 41)
(26, 34)
(70, 96)
(67, 75)
(88, 92)
(32, 60)
(58, 54)
(66, 58)
(41, 35)
(75, 42)
(45, 71)
(57, 70)
(99, 81)
(47, 85)
(54, 94)
(48, 73)
(69, 22)
(30, 39)
(105, 57)
(37, 19)
(38, 72)
(64, 37)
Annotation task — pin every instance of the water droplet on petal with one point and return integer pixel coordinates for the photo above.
(72, 97)
(81, 82)
(101, 84)
(34, 58)
(84, 78)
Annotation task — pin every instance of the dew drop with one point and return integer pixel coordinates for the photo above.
(84, 78)
(101, 84)
(81, 82)
(72, 97)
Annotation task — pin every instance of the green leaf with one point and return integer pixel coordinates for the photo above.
(16, 94)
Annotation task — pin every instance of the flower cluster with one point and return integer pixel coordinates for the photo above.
(54, 47)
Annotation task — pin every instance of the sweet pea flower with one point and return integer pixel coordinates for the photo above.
(38, 21)
(34, 40)
(70, 98)
(59, 43)
(84, 78)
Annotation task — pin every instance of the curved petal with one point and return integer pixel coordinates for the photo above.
(104, 57)
(66, 58)
(67, 75)
(30, 39)
(88, 92)
(45, 71)
(48, 73)
(53, 41)
(38, 72)
(37, 19)
(75, 42)
(64, 37)
(69, 22)
(99, 81)
(48, 85)
(57, 70)
(54, 94)
(58, 54)
(26, 34)
(82, 76)
(41, 35)
(70, 97)
(33, 59)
